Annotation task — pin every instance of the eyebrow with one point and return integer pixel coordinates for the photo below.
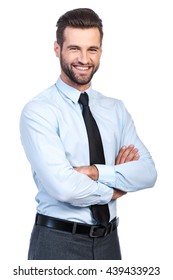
(73, 46)
(78, 47)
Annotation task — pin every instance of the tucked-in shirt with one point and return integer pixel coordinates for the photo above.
(54, 138)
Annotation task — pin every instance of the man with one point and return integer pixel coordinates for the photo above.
(73, 189)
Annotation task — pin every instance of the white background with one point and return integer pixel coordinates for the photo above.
(136, 66)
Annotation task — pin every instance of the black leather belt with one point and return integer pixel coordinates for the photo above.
(76, 228)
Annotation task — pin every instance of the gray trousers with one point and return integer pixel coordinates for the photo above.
(51, 244)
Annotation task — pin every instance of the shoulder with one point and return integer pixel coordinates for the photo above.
(41, 104)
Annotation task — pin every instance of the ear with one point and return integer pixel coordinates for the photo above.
(56, 49)
(101, 50)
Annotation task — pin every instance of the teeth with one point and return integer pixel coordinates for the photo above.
(82, 68)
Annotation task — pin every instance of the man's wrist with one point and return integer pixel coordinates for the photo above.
(94, 172)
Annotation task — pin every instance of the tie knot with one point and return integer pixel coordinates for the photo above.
(83, 99)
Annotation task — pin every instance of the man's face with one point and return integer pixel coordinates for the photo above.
(79, 56)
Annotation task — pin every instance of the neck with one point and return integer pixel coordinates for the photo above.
(81, 88)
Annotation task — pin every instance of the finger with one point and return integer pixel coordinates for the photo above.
(126, 154)
(133, 155)
(118, 159)
(136, 157)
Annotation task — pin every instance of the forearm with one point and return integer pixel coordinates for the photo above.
(130, 176)
(92, 172)
(65, 184)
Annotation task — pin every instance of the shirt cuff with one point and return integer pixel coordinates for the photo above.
(106, 174)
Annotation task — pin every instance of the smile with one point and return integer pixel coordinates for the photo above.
(82, 68)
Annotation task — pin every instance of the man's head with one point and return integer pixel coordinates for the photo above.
(78, 46)
(78, 18)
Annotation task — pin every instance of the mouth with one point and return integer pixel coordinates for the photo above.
(82, 68)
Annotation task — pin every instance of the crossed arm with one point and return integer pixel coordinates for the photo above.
(126, 154)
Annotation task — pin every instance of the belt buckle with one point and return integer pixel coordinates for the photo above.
(91, 233)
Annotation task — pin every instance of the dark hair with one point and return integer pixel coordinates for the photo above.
(78, 18)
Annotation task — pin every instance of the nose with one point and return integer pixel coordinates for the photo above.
(84, 57)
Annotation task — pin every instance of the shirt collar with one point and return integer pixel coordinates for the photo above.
(70, 92)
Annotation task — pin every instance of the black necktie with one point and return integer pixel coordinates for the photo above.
(100, 212)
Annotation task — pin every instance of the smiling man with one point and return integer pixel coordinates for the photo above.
(84, 152)
(79, 56)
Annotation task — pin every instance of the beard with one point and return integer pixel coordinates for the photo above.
(75, 78)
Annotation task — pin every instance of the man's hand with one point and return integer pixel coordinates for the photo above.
(117, 194)
(127, 154)
(90, 171)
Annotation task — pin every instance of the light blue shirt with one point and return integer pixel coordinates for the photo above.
(55, 140)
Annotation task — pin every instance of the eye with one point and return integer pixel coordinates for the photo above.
(93, 50)
(73, 48)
